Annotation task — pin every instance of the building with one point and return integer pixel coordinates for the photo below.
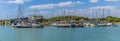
(35, 18)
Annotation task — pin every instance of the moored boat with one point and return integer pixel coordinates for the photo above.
(27, 25)
(68, 24)
(37, 25)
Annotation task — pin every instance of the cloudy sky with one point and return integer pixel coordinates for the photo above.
(47, 8)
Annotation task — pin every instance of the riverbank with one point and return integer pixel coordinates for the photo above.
(2, 22)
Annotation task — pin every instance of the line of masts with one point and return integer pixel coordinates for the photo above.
(99, 13)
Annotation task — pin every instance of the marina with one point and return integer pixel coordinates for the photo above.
(59, 20)
(36, 20)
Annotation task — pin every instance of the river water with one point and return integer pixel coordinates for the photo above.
(49, 33)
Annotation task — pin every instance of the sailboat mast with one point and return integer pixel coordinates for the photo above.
(19, 15)
(108, 15)
(99, 14)
(108, 12)
(36, 11)
(93, 15)
(64, 13)
(57, 14)
(96, 16)
(103, 14)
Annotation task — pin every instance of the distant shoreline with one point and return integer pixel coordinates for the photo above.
(67, 18)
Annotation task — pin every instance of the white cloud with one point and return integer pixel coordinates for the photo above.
(93, 1)
(104, 7)
(44, 6)
(80, 2)
(61, 4)
(15, 1)
(112, 0)
(68, 3)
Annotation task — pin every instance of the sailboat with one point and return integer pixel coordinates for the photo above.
(20, 22)
(104, 24)
(24, 22)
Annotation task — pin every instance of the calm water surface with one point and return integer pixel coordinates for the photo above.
(48, 33)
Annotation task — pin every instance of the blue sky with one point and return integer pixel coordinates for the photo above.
(8, 8)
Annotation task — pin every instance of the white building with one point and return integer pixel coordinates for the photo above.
(35, 18)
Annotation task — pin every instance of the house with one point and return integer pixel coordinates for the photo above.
(35, 18)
